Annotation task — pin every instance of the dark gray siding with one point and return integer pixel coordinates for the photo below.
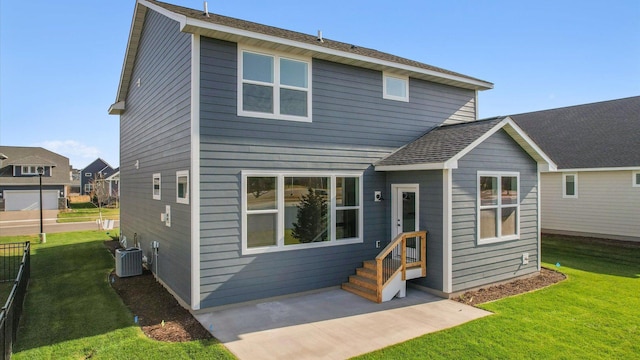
(476, 265)
(430, 194)
(352, 128)
(155, 132)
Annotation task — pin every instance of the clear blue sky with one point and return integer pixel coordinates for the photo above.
(60, 61)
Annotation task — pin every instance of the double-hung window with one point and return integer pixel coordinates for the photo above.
(570, 186)
(300, 210)
(273, 86)
(157, 188)
(498, 207)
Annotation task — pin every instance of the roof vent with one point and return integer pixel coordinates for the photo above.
(206, 9)
(320, 36)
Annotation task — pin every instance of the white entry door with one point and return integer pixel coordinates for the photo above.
(405, 210)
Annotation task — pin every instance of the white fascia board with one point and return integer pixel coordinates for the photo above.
(414, 167)
(542, 157)
(627, 168)
(192, 25)
(117, 108)
(516, 134)
(182, 19)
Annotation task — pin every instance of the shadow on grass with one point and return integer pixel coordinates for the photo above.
(609, 257)
(69, 296)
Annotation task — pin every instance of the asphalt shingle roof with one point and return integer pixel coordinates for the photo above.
(440, 144)
(597, 135)
(301, 37)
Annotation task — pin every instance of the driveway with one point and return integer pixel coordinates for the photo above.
(331, 324)
(14, 223)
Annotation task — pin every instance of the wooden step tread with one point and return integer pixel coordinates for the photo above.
(367, 273)
(363, 282)
(369, 264)
(361, 291)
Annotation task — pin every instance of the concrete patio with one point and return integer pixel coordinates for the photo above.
(331, 324)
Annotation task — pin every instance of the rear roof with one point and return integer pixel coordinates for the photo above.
(596, 135)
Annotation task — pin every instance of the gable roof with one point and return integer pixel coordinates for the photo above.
(590, 136)
(443, 146)
(269, 37)
(32, 156)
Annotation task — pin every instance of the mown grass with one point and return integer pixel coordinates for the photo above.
(87, 212)
(594, 314)
(71, 312)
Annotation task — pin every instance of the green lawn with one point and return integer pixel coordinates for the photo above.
(71, 312)
(87, 212)
(594, 314)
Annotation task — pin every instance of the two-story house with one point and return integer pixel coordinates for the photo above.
(258, 162)
(20, 183)
(98, 171)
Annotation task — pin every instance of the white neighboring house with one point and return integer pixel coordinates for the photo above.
(596, 190)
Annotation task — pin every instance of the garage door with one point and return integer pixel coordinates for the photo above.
(30, 200)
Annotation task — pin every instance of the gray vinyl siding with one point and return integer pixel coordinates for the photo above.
(430, 195)
(352, 127)
(155, 132)
(476, 265)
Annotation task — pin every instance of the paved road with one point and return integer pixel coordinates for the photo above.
(28, 223)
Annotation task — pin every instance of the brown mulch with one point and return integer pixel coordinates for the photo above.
(545, 278)
(153, 304)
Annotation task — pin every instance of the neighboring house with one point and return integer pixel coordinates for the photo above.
(596, 191)
(260, 162)
(20, 183)
(113, 183)
(97, 170)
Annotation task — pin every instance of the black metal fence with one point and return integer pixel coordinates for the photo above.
(16, 267)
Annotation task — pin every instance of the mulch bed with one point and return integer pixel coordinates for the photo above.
(159, 314)
(153, 304)
(545, 278)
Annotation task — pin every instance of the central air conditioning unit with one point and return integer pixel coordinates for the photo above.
(128, 262)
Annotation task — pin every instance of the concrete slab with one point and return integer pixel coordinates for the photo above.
(332, 324)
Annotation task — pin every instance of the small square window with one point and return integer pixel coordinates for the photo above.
(182, 187)
(395, 87)
(157, 182)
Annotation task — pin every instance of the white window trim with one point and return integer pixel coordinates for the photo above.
(499, 206)
(159, 195)
(87, 174)
(386, 75)
(31, 170)
(179, 174)
(280, 211)
(88, 188)
(634, 174)
(564, 186)
(276, 85)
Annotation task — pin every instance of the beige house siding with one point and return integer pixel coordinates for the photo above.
(607, 205)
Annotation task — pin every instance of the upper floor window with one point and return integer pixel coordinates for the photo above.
(29, 170)
(498, 207)
(88, 174)
(395, 87)
(273, 86)
(636, 178)
(569, 185)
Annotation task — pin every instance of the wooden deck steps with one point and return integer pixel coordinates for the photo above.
(364, 282)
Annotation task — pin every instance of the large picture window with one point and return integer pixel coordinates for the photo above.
(273, 86)
(498, 207)
(292, 211)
